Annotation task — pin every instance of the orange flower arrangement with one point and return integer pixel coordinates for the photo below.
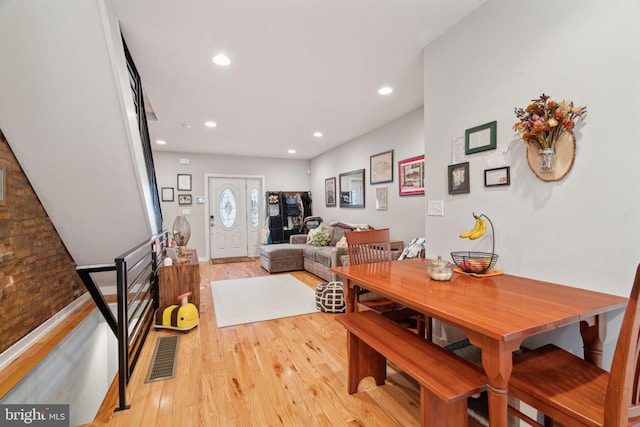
(543, 121)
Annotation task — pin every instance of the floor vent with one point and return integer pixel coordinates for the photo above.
(165, 358)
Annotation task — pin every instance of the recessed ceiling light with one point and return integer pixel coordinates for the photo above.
(210, 124)
(160, 142)
(386, 90)
(317, 134)
(221, 60)
(292, 151)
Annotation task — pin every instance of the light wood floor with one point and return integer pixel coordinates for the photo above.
(285, 372)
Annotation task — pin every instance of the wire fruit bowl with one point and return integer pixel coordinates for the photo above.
(474, 262)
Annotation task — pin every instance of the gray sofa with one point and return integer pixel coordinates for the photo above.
(319, 260)
(298, 255)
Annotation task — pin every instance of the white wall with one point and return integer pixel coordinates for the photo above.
(583, 230)
(279, 175)
(404, 215)
(64, 98)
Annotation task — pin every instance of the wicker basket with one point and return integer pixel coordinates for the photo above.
(474, 262)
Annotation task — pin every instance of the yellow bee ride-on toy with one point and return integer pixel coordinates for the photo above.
(183, 317)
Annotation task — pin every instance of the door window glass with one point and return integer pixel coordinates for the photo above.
(255, 219)
(228, 208)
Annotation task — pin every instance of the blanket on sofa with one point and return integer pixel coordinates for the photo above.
(348, 226)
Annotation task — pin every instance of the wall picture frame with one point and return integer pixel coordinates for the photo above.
(330, 192)
(184, 182)
(497, 176)
(458, 178)
(381, 198)
(184, 199)
(167, 194)
(381, 168)
(411, 176)
(480, 138)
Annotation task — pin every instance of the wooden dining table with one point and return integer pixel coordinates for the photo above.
(496, 313)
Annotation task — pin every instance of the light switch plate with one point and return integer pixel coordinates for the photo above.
(186, 211)
(435, 207)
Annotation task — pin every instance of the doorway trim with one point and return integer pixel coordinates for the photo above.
(207, 202)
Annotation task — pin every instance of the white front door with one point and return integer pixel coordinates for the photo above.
(234, 220)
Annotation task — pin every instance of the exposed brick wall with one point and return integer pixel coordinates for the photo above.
(37, 274)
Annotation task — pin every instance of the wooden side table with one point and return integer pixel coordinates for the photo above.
(178, 279)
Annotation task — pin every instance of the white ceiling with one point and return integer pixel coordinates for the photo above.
(297, 67)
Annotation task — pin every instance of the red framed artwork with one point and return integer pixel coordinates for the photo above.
(411, 176)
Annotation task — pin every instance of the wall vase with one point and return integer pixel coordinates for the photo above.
(555, 165)
(546, 160)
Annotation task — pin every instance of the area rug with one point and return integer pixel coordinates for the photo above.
(257, 299)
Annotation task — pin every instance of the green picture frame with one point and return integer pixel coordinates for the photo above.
(481, 138)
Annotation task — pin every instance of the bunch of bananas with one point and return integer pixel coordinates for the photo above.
(477, 231)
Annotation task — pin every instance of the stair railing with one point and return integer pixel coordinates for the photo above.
(136, 298)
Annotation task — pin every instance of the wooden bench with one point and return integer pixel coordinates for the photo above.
(446, 380)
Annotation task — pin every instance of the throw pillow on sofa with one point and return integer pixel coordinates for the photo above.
(314, 231)
(321, 238)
